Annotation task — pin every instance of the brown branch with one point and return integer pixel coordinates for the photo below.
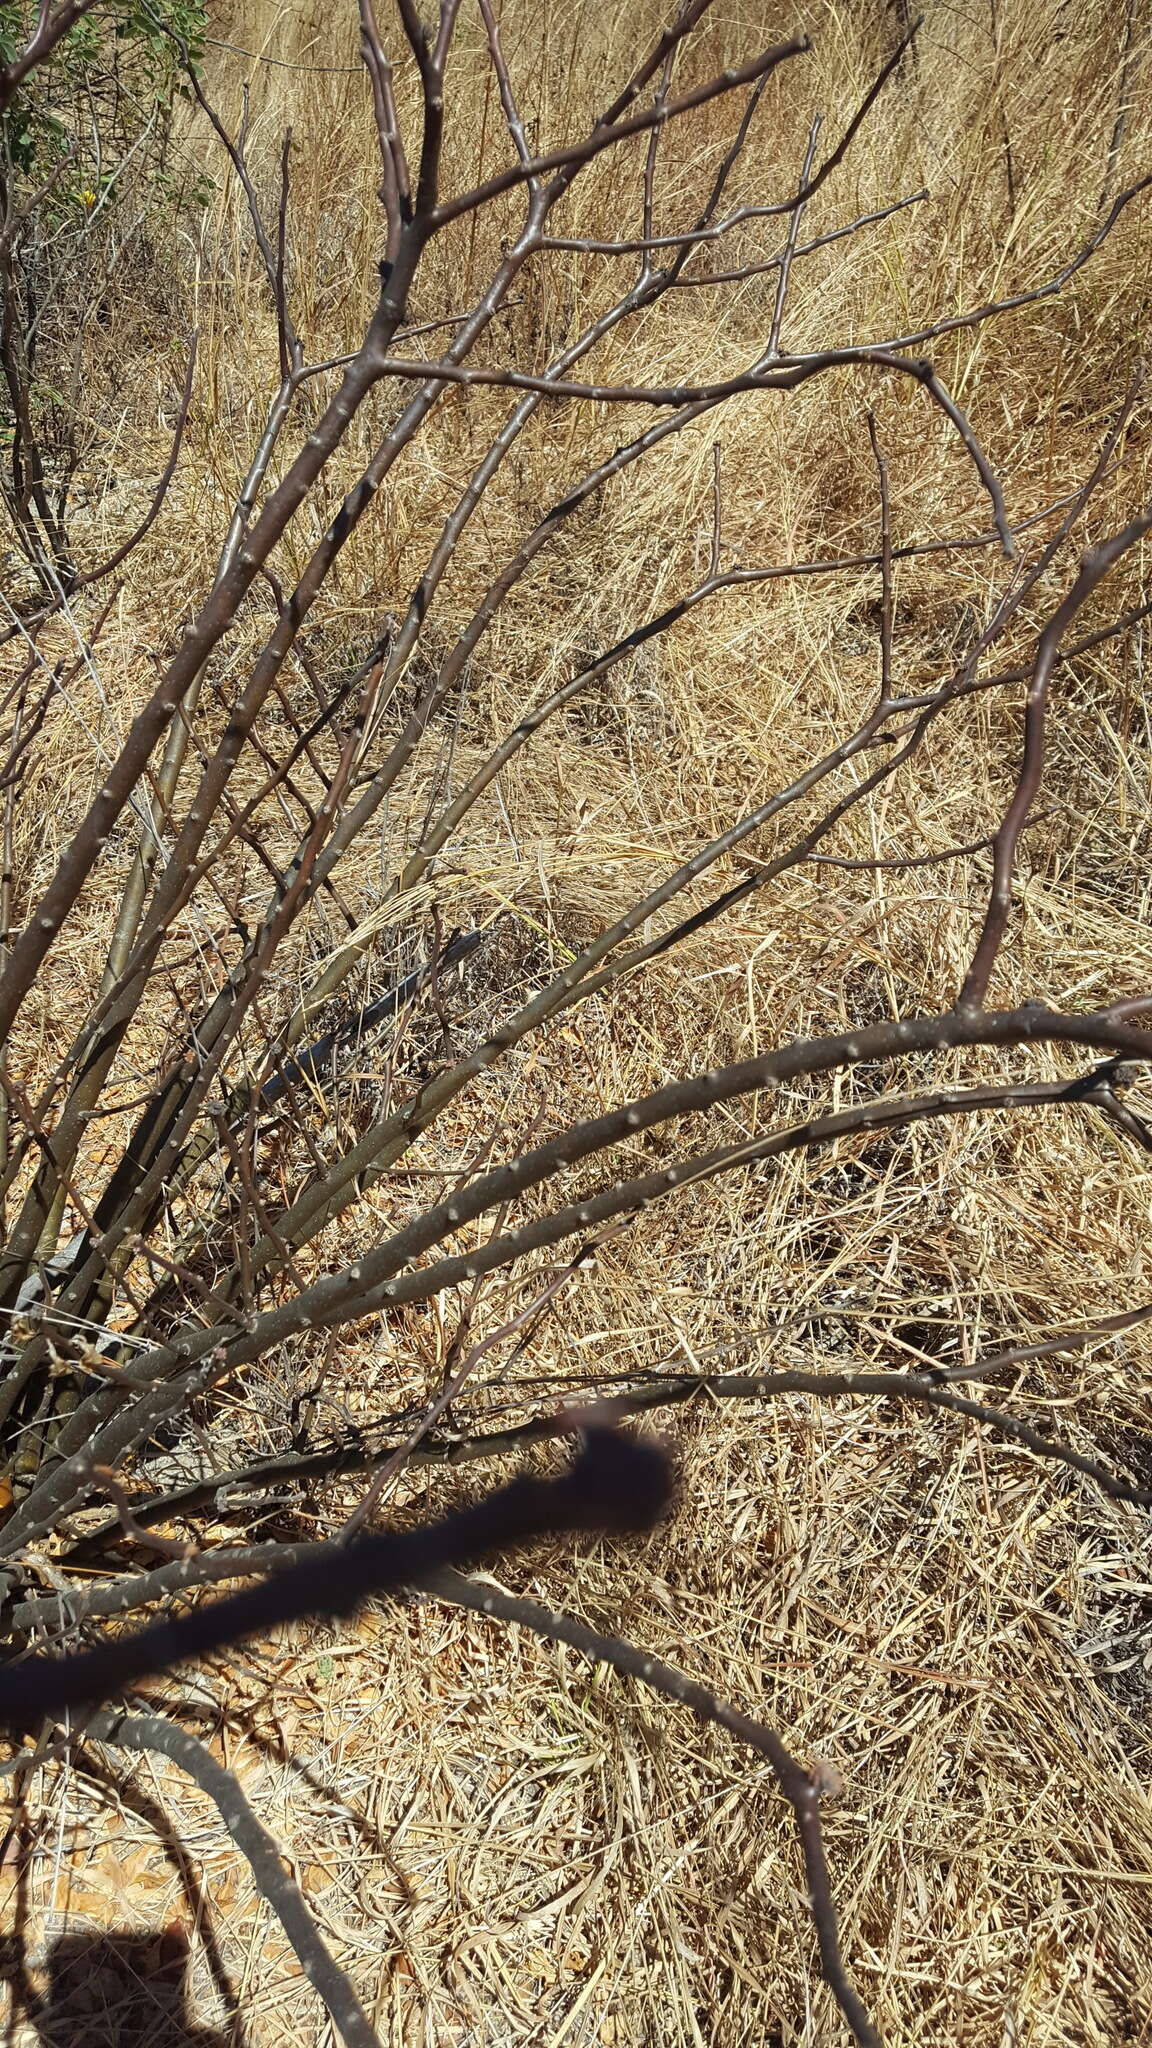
(887, 608)
(789, 251)
(898, 863)
(1068, 1340)
(49, 30)
(609, 130)
(615, 1484)
(290, 345)
(526, 726)
(690, 238)
(511, 111)
(360, 375)
(800, 1788)
(680, 1388)
(74, 866)
(449, 1392)
(363, 1288)
(354, 1455)
(386, 1140)
(195, 1358)
(183, 868)
(68, 1606)
(467, 642)
(155, 1734)
(207, 1035)
(395, 189)
(1094, 567)
(87, 577)
(659, 1388)
(994, 308)
(1132, 1006)
(792, 372)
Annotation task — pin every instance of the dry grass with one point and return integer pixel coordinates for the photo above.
(503, 1847)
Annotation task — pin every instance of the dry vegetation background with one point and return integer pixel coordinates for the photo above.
(502, 1845)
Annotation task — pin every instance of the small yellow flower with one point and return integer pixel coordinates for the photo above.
(87, 198)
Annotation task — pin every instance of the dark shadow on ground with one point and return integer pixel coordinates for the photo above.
(123, 1990)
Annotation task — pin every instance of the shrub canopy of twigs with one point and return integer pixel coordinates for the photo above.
(575, 847)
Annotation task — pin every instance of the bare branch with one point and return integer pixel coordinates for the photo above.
(169, 1172)
(657, 1389)
(690, 238)
(155, 1734)
(50, 29)
(682, 1388)
(792, 372)
(800, 1788)
(198, 1357)
(640, 1394)
(789, 249)
(85, 578)
(395, 189)
(504, 86)
(1068, 1340)
(1094, 567)
(615, 1484)
(994, 308)
(614, 127)
(898, 863)
(886, 598)
(64, 1610)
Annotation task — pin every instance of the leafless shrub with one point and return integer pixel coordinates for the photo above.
(225, 1047)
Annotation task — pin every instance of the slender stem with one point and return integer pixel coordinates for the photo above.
(154, 1734)
(1094, 567)
(800, 1787)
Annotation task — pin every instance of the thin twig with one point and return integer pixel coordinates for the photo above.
(154, 1734)
(615, 1484)
(1094, 567)
(800, 1787)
